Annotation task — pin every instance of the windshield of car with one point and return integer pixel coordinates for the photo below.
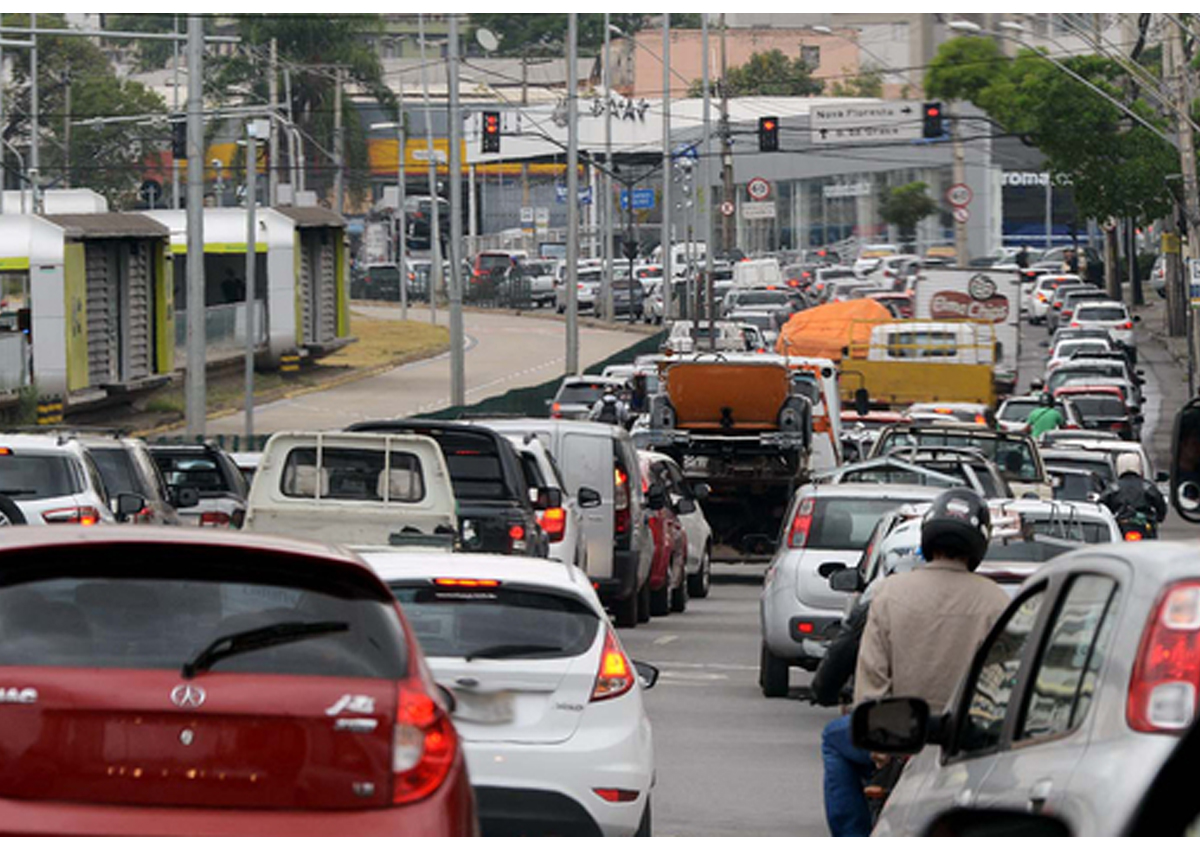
(1074, 485)
(1013, 456)
(1069, 347)
(846, 523)
(455, 622)
(538, 270)
(1090, 371)
(191, 470)
(157, 615)
(1099, 465)
(117, 471)
(582, 393)
(1064, 527)
(354, 474)
(1017, 411)
(1022, 551)
(1099, 407)
(25, 475)
(1088, 313)
(768, 297)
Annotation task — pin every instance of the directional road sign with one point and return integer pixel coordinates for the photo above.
(898, 120)
(585, 194)
(643, 199)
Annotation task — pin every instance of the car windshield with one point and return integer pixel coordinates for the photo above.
(117, 471)
(846, 523)
(456, 622)
(1098, 465)
(582, 393)
(1101, 314)
(1014, 457)
(1065, 528)
(1099, 407)
(538, 270)
(191, 470)
(1021, 551)
(1017, 411)
(1091, 371)
(745, 298)
(155, 614)
(1066, 349)
(1074, 485)
(26, 475)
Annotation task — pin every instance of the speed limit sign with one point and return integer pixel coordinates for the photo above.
(758, 189)
(959, 195)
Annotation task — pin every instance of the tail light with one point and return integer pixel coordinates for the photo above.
(556, 411)
(554, 523)
(1041, 296)
(1074, 324)
(145, 516)
(1117, 426)
(980, 419)
(424, 746)
(1057, 305)
(215, 519)
(1133, 535)
(798, 534)
(616, 795)
(621, 500)
(75, 516)
(1162, 690)
(1066, 314)
(516, 538)
(1128, 326)
(615, 675)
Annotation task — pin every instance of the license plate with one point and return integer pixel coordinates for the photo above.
(492, 708)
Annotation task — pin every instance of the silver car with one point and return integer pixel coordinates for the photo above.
(1071, 704)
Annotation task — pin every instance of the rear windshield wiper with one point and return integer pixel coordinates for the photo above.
(261, 638)
(510, 650)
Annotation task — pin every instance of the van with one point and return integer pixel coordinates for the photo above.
(759, 274)
(933, 342)
(600, 468)
(353, 489)
(679, 256)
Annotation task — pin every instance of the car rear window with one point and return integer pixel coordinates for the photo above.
(476, 470)
(1014, 457)
(581, 393)
(38, 476)
(1100, 466)
(845, 523)
(1089, 313)
(1017, 411)
(1099, 407)
(117, 471)
(364, 475)
(194, 470)
(157, 609)
(459, 622)
(1078, 530)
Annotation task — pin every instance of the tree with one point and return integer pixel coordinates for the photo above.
(546, 34)
(905, 206)
(1117, 167)
(772, 74)
(106, 158)
(866, 83)
(151, 55)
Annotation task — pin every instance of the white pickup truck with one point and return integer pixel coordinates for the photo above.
(353, 489)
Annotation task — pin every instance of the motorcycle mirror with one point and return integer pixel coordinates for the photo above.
(1185, 462)
(895, 725)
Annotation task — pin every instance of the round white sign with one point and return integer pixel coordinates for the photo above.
(959, 195)
(758, 189)
(727, 208)
(962, 215)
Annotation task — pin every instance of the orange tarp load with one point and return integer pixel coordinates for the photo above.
(824, 331)
(706, 394)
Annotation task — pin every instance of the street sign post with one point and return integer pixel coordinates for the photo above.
(758, 209)
(899, 120)
(526, 215)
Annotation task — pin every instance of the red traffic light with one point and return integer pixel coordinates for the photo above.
(933, 111)
(768, 124)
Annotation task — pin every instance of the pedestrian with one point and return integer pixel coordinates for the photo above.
(1023, 258)
(1070, 261)
(922, 631)
(1044, 417)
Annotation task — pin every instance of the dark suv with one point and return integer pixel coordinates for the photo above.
(496, 510)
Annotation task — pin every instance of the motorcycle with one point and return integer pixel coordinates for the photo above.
(1136, 525)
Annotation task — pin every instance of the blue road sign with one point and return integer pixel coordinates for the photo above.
(643, 199)
(686, 152)
(585, 194)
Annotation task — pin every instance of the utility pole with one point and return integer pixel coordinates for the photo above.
(35, 130)
(273, 143)
(606, 181)
(401, 180)
(251, 268)
(295, 153)
(67, 129)
(726, 151)
(196, 391)
(457, 366)
(572, 199)
(435, 230)
(1181, 91)
(338, 141)
(665, 239)
(175, 197)
(705, 196)
(960, 176)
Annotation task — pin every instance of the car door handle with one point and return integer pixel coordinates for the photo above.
(1039, 794)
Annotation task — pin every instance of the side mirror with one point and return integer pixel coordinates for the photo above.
(701, 490)
(656, 499)
(895, 725)
(1185, 462)
(647, 674)
(1137, 318)
(980, 823)
(588, 498)
(684, 507)
(1162, 477)
(128, 505)
(184, 497)
(846, 580)
(829, 568)
(547, 497)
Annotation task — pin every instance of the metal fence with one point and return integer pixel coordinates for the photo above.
(14, 360)
(224, 326)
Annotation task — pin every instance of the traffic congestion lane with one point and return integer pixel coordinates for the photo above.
(729, 762)
(503, 352)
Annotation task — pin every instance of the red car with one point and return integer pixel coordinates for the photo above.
(210, 683)
(668, 570)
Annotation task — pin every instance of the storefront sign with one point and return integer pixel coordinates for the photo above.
(852, 190)
(959, 305)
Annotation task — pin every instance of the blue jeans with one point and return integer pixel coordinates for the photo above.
(847, 768)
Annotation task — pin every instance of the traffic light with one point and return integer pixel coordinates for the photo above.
(491, 132)
(768, 134)
(933, 121)
(179, 138)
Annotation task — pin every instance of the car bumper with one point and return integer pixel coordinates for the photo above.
(624, 580)
(531, 789)
(783, 616)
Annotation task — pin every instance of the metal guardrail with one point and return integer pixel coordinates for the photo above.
(224, 325)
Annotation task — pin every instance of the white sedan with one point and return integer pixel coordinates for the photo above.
(548, 705)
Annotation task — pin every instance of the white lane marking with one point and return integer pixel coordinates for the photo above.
(692, 677)
(693, 666)
(665, 639)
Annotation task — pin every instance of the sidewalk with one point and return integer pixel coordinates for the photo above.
(1164, 360)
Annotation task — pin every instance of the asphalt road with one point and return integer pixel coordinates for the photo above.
(503, 351)
(733, 763)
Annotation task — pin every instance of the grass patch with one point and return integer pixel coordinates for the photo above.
(382, 341)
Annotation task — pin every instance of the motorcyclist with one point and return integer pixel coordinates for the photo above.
(921, 633)
(610, 409)
(1132, 494)
(1044, 417)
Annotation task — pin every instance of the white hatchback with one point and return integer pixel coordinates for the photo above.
(1111, 316)
(548, 705)
(1042, 294)
(53, 480)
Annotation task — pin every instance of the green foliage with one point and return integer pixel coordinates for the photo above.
(1116, 166)
(24, 412)
(867, 83)
(772, 74)
(905, 206)
(96, 92)
(527, 34)
(151, 55)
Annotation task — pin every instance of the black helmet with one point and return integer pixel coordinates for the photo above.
(958, 525)
(1045, 399)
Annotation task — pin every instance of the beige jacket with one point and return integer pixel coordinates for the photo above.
(922, 631)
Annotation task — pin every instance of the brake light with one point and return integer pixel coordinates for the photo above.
(75, 516)
(798, 535)
(1162, 690)
(1128, 326)
(615, 675)
(621, 500)
(1041, 296)
(980, 419)
(1117, 426)
(5, 451)
(554, 523)
(1057, 304)
(1133, 535)
(556, 411)
(466, 582)
(616, 795)
(424, 747)
(215, 519)
(1074, 324)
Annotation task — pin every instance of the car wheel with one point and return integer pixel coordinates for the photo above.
(643, 603)
(679, 599)
(625, 612)
(772, 674)
(660, 601)
(643, 830)
(698, 584)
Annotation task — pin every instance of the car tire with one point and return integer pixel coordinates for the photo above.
(660, 601)
(625, 612)
(699, 583)
(679, 598)
(643, 603)
(10, 512)
(772, 674)
(643, 830)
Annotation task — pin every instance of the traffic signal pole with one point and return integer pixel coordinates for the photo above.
(572, 283)
(665, 239)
